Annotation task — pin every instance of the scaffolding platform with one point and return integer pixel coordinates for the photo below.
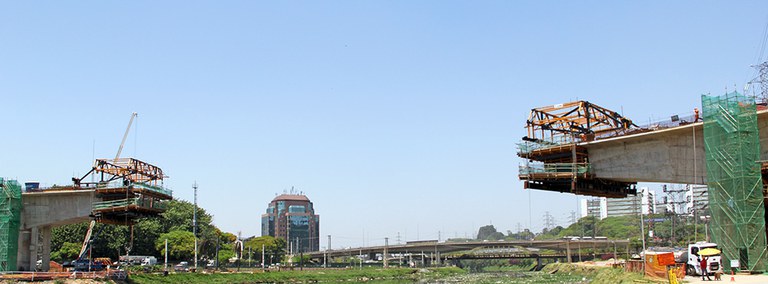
(735, 179)
(129, 189)
(556, 162)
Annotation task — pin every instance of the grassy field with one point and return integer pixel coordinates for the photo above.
(553, 273)
(308, 276)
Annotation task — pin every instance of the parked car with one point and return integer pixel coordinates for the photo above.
(181, 267)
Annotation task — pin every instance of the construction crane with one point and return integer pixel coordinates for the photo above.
(127, 129)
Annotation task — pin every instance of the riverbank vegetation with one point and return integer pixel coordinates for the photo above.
(306, 276)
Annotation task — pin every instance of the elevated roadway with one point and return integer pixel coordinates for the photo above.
(671, 155)
(561, 245)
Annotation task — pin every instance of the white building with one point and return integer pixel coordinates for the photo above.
(697, 200)
(644, 202)
(593, 207)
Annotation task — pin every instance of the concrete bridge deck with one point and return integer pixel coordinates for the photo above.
(668, 155)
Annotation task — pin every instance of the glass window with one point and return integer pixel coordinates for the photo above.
(296, 209)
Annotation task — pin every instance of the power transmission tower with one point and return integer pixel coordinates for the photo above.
(573, 217)
(762, 80)
(549, 221)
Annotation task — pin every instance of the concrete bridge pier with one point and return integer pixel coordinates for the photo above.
(33, 243)
(42, 211)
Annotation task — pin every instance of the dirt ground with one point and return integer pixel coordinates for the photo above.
(738, 278)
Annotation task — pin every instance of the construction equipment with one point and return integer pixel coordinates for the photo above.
(122, 143)
(129, 188)
(88, 264)
(554, 159)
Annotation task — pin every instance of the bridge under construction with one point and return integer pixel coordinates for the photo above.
(585, 149)
(120, 191)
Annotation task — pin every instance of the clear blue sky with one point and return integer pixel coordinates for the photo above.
(393, 116)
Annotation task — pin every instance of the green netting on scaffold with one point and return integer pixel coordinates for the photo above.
(732, 147)
(10, 217)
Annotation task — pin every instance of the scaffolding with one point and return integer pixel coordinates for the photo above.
(129, 188)
(10, 217)
(555, 161)
(731, 142)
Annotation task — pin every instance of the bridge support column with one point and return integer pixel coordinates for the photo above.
(33, 243)
(568, 250)
(45, 233)
(23, 255)
(538, 263)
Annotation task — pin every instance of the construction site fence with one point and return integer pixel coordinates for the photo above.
(141, 202)
(537, 168)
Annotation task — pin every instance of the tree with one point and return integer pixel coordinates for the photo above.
(489, 232)
(181, 244)
(114, 240)
(67, 252)
(274, 248)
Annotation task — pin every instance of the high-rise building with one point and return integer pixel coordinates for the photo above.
(697, 200)
(644, 202)
(594, 207)
(292, 217)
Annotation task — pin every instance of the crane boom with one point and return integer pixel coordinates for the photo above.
(120, 150)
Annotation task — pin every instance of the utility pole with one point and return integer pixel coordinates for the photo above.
(386, 252)
(263, 254)
(194, 224)
(165, 266)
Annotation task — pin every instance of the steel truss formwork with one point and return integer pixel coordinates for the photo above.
(732, 147)
(554, 159)
(129, 189)
(10, 218)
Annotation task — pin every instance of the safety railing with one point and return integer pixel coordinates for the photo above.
(155, 188)
(527, 147)
(578, 168)
(141, 202)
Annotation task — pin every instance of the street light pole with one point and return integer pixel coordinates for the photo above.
(194, 223)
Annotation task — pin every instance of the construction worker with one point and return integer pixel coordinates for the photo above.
(695, 114)
(703, 265)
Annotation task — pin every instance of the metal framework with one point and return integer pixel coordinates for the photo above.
(555, 161)
(10, 218)
(129, 169)
(129, 188)
(580, 120)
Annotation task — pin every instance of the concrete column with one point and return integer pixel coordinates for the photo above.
(22, 261)
(568, 250)
(45, 232)
(32, 264)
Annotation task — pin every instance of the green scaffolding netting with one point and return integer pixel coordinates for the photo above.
(10, 217)
(732, 147)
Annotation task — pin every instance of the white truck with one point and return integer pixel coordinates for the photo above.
(149, 261)
(691, 258)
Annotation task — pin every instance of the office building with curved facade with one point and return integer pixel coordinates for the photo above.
(292, 217)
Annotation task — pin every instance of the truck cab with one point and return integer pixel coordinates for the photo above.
(692, 264)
